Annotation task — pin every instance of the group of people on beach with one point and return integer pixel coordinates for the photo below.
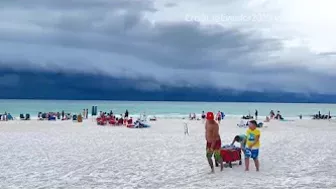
(321, 116)
(6, 116)
(250, 143)
(54, 116)
(219, 116)
(112, 119)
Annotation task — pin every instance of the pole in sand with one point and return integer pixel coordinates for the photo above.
(186, 129)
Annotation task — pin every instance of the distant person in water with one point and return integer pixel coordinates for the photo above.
(213, 141)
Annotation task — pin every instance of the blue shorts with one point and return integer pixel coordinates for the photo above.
(251, 153)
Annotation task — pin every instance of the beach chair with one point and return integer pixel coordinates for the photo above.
(43, 116)
(74, 118)
(112, 121)
(22, 117)
(52, 118)
(102, 122)
(27, 116)
(10, 117)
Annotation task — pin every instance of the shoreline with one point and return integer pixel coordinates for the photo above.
(184, 117)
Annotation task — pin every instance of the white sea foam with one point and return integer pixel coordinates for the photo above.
(63, 154)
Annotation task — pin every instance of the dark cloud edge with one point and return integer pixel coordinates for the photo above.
(66, 86)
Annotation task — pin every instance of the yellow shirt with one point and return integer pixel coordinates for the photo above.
(252, 137)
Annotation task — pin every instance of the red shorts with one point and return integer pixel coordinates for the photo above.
(217, 146)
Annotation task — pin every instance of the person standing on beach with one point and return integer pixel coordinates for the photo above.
(213, 141)
(256, 114)
(126, 114)
(219, 117)
(253, 144)
(87, 113)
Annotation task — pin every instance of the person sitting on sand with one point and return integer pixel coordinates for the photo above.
(242, 123)
(267, 119)
(213, 141)
(152, 118)
(253, 145)
(272, 114)
(241, 139)
(130, 120)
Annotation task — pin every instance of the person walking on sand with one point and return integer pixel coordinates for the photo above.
(213, 141)
(253, 145)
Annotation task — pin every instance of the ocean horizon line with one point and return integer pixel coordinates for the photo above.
(174, 101)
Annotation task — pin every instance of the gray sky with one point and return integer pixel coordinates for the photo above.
(240, 44)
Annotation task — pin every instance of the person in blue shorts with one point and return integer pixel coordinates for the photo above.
(252, 145)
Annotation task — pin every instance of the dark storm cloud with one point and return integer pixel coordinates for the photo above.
(116, 38)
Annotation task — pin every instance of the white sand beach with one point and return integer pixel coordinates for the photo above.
(63, 154)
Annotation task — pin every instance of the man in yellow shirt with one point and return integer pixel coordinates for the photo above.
(252, 145)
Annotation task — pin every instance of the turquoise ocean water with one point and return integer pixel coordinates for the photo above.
(162, 109)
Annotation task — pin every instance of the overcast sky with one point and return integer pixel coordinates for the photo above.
(259, 44)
